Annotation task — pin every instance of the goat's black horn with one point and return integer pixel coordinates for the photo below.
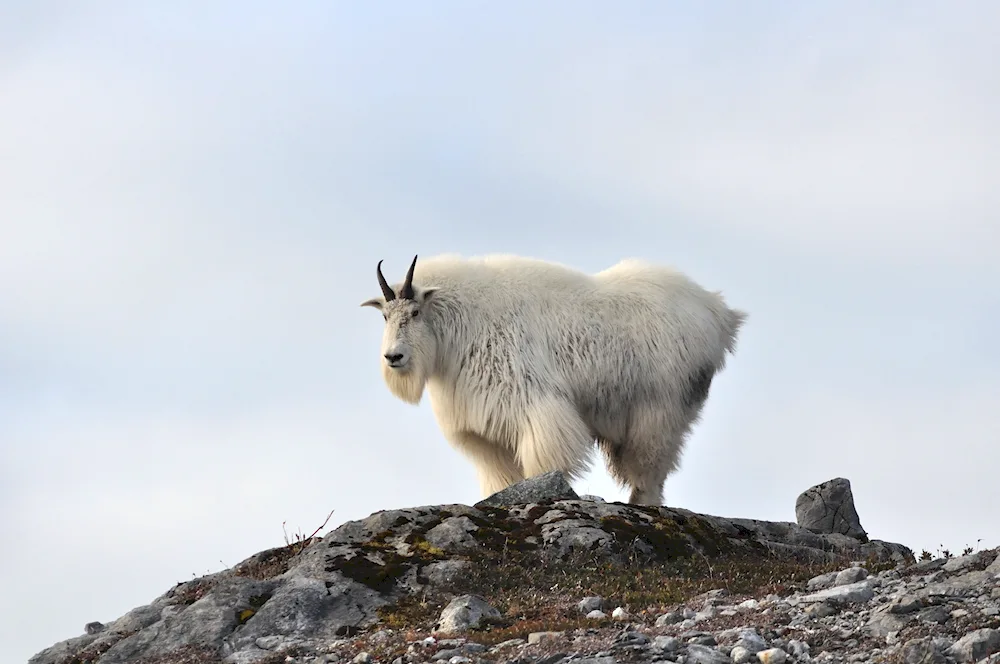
(389, 295)
(406, 292)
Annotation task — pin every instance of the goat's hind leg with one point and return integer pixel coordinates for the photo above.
(641, 474)
(656, 437)
(643, 461)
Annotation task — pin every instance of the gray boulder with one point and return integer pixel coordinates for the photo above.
(829, 508)
(548, 486)
(922, 651)
(976, 646)
(465, 612)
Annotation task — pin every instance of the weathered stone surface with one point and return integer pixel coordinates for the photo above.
(850, 575)
(141, 616)
(63, 651)
(588, 604)
(698, 654)
(671, 618)
(934, 614)
(962, 563)
(829, 508)
(820, 609)
(853, 593)
(752, 641)
(907, 604)
(741, 655)
(454, 534)
(922, 651)
(976, 645)
(304, 608)
(822, 581)
(548, 486)
(538, 637)
(596, 499)
(465, 612)
(799, 649)
(772, 656)
(203, 624)
(963, 585)
(667, 644)
(445, 572)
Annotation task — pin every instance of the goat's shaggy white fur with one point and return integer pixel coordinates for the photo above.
(527, 363)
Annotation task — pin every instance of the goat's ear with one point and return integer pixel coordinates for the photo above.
(376, 302)
(427, 293)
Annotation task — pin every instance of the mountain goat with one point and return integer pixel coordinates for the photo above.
(527, 363)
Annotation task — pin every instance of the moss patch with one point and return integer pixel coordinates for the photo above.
(667, 536)
(379, 565)
(428, 550)
(664, 536)
(377, 572)
(498, 531)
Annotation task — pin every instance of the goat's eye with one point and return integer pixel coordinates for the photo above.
(415, 313)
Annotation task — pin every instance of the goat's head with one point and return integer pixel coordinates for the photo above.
(409, 346)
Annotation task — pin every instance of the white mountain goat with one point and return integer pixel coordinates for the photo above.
(527, 363)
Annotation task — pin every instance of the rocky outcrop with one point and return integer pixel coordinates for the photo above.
(829, 508)
(307, 600)
(548, 486)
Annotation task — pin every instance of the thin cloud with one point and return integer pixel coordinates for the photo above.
(879, 147)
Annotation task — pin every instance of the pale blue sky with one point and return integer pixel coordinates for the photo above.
(193, 200)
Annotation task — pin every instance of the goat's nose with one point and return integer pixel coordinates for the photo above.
(393, 357)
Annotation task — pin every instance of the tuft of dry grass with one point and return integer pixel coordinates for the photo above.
(271, 563)
(92, 653)
(190, 592)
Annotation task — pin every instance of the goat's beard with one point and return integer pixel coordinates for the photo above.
(406, 385)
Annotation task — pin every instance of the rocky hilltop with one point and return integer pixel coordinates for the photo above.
(536, 573)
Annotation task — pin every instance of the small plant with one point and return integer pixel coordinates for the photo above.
(271, 563)
(942, 552)
(299, 537)
(969, 549)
